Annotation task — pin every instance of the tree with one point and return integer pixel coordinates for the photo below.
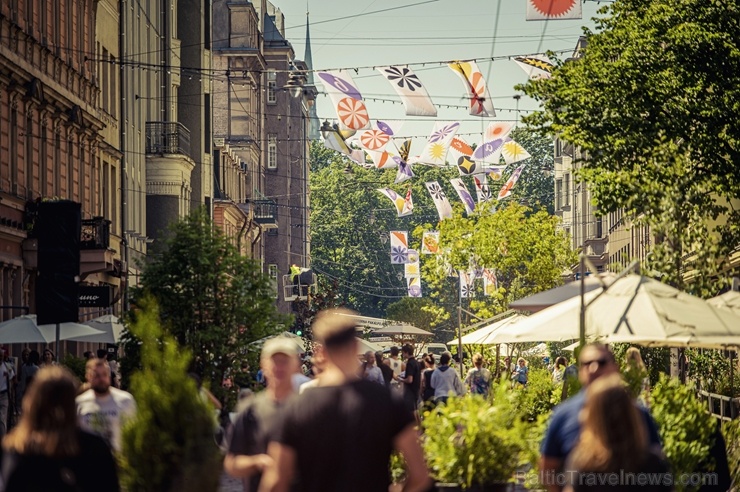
(652, 103)
(214, 301)
(527, 250)
(418, 312)
(169, 445)
(350, 220)
(536, 185)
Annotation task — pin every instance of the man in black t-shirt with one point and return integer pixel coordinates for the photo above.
(247, 442)
(411, 381)
(338, 436)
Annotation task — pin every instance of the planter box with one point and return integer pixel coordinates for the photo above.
(721, 406)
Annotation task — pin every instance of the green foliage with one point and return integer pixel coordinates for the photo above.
(131, 360)
(76, 365)
(539, 396)
(169, 445)
(657, 359)
(685, 428)
(213, 300)
(731, 433)
(417, 311)
(652, 103)
(470, 441)
(327, 296)
(711, 370)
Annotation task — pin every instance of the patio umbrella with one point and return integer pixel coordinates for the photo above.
(483, 335)
(730, 300)
(401, 330)
(634, 309)
(24, 329)
(110, 327)
(541, 300)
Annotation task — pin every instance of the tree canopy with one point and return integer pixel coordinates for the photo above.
(652, 101)
(213, 300)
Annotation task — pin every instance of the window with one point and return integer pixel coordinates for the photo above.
(567, 189)
(272, 151)
(104, 87)
(272, 272)
(558, 194)
(271, 87)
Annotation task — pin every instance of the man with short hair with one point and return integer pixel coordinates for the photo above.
(372, 372)
(397, 365)
(103, 408)
(595, 361)
(247, 442)
(339, 435)
(411, 381)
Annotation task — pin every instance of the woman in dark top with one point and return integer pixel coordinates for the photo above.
(612, 451)
(47, 451)
(427, 392)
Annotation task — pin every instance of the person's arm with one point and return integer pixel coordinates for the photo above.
(279, 475)
(549, 467)
(243, 466)
(417, 475)
(214, 401)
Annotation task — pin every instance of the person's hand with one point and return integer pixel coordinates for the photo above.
(262, 461)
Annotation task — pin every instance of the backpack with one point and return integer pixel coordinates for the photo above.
(479, 384)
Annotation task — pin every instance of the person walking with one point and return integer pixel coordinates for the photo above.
(102, 409)
(478, 380)
(521, 373)
(47, 450)
(26, 374)
(559, 371)
(411, 381)
(7, 380)
(427, 390)
(613, 443)
(339, 435)
(246, 456)
(564, 428)
(445, 380)
(397, 365)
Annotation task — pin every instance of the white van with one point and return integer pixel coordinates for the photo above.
(436, 349)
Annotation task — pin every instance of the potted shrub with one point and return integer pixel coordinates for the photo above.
(472, 444)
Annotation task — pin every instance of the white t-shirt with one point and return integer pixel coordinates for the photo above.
(7, 373)
(104, 415)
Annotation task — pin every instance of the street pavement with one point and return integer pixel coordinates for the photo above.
(229, 484)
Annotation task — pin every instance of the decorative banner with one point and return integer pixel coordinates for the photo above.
(506, 190)
(374, 140)
(536, 66)
(463, 152)
(410, 89)
(467, 284)
(444, 209)
(335, 141)
(495, 172)
(553, 9)
(399, 248)
(404, 207)
(404, 170)
(464, 195)
(475, 87)
(435, 151)
(498, 130)
(430, 243)
(412, 269)
(382, 160)
(389, 127)
(489, 150)
(346, 99)
(482, 189)
(513, 152)
(414, 286)
(404, 149)
(490, 282)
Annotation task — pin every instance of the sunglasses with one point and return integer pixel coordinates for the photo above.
(600, 362)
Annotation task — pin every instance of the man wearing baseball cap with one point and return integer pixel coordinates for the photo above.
(247, 443)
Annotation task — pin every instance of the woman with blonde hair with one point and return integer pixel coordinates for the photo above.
(613, 449)
(47, 450)
(636, 375)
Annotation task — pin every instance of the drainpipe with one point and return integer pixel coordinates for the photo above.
(122, 144)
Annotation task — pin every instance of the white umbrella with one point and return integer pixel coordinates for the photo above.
(401, 330)
(729, 300)
(24, 329)
(110, 327)
(483, 335)
(638, 310)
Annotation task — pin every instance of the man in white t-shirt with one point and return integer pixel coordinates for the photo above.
(7, 378)
(102, 409)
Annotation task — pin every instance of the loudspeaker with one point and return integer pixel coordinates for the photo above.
(58, 229)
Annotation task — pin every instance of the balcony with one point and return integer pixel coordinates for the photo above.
(265, 213)
(95, 234)
(167, 137)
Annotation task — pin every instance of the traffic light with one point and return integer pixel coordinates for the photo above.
(299, 332)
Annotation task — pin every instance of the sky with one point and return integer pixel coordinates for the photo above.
(431, 31)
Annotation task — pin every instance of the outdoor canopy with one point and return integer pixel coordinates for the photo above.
(110, 328)
(483, 335)
(729, 300)
(541, 300)
(24, 329)
(632, 309)
(401, 330)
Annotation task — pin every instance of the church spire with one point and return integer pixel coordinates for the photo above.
(314, 125)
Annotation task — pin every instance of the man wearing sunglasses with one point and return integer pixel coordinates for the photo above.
(562, 433)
